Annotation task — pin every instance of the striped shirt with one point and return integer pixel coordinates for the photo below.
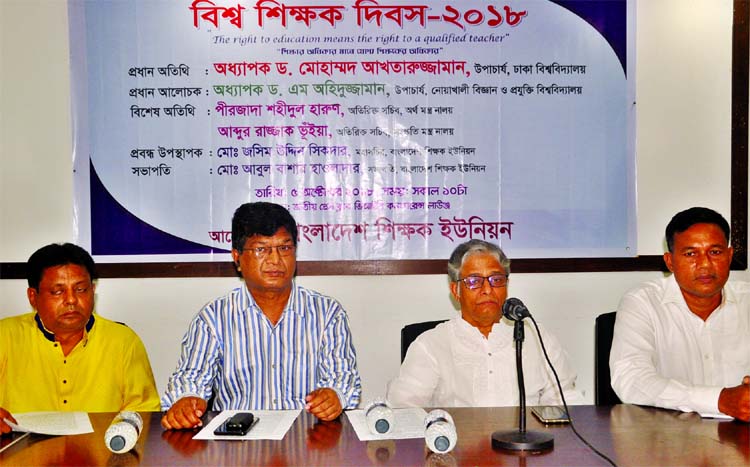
(232, 351)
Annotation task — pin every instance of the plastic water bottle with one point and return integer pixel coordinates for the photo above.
(123, 432)
(440, 431)
(379, 416)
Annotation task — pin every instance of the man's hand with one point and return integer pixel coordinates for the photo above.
(735, 401)
(323, 403)
(185, 413)
(4, 427)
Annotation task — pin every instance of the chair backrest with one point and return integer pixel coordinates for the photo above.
(603, 332)
(412, 331)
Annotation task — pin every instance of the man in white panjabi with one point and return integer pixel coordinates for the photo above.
(469, 361)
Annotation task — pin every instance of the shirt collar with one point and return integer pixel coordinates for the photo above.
(727, 295)
(673, 293)
(499, 329)
(247, 302)
(501, 335)
(50, 336)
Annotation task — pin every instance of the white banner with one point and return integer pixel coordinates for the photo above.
(390, 130)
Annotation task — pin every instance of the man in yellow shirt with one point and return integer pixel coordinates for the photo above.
(62, 357)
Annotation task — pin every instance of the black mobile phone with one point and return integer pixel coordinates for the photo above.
(549, 414)
(237, 425)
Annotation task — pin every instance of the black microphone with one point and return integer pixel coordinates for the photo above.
(520, 440)
(515, 310)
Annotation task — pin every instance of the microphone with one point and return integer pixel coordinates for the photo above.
(379, 417)
(520, 440)
(123, 432)
(440, 431)
(515, 310)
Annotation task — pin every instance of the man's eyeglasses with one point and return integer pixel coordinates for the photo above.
(475, 282)
(265, 251)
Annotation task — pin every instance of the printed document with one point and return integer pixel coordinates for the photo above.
(272, 424)
(52, 423)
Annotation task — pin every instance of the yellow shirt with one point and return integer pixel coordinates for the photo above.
(107, 371)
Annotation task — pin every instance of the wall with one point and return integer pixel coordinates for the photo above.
(683, 152)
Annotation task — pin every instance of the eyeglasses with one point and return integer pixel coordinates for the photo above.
(261, 252)
(475, 282)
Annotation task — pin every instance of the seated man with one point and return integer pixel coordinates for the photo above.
(269, 344)
(64, 358)
(470, 360)
(683, 342)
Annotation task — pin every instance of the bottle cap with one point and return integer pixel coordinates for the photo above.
(117, 443)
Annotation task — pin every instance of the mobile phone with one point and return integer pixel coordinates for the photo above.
(549, 414)
(237, 425)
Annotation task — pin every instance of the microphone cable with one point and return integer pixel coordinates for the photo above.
(562, 396)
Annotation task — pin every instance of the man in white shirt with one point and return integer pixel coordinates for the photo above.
(683, 342)
(470, 360)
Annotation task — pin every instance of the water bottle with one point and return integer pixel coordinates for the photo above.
(123, 432)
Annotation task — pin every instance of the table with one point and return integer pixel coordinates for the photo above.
(630, 435)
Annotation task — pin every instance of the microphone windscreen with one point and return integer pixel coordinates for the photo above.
(515, 310)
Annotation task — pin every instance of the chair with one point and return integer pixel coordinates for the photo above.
(603, 332)
(412, 331)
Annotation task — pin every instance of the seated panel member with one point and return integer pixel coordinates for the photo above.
(683, 342)
(470, 361)
(269, 344)
(62, 357)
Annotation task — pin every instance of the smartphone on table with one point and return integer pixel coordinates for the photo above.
(237, 425)
(550, 414)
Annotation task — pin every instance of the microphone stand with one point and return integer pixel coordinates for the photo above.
(521, 440)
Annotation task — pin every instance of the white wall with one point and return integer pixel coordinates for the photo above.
(683, 150)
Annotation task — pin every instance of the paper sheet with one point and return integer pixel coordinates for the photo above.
(272, 424)
(718, 416)
(52, 423)
(407, 423)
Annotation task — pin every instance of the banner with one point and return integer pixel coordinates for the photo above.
(390, 130)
